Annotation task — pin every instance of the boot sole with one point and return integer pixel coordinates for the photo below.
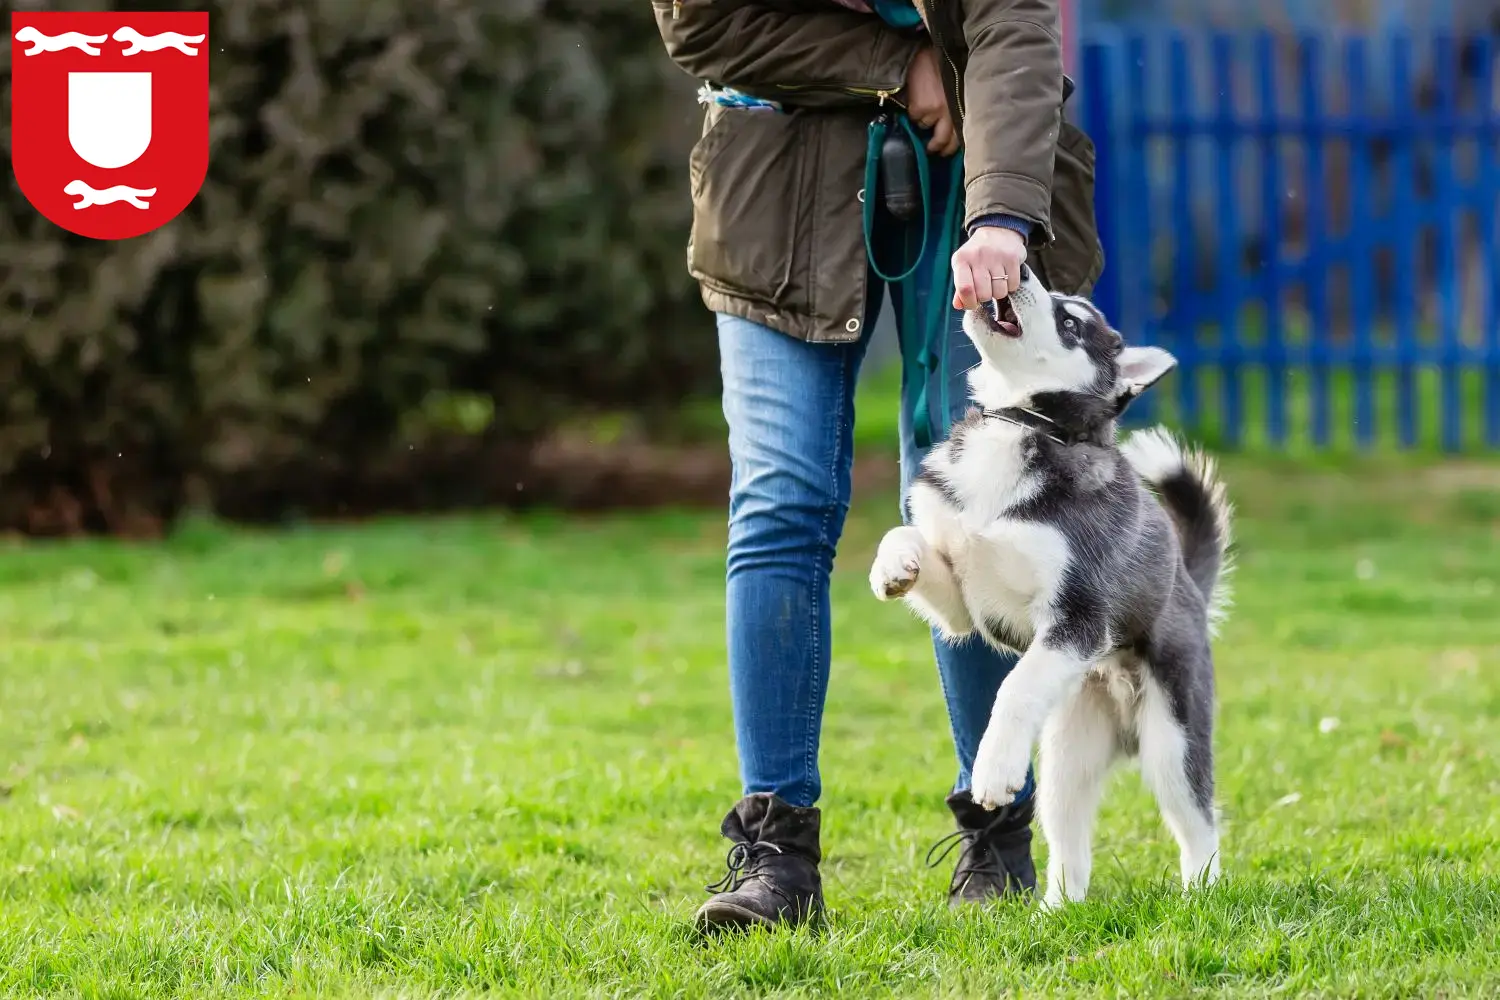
(713, 916)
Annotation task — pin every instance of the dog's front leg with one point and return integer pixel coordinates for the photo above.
(907, 566)
(1048, 672)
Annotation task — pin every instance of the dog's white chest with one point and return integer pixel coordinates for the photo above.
(1011, 570)
(1008, 571)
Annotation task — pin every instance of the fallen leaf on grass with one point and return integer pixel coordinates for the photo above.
(570, 668)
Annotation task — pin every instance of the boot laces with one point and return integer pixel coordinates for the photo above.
(744, 862)
(981, 848)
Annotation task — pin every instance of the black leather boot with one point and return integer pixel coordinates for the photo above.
(773, 866)
(995, 855)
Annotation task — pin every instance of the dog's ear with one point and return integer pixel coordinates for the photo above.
(1140, 369)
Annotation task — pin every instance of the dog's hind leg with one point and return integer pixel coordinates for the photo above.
(907, 566)
(1079, 743)
(1177, 764)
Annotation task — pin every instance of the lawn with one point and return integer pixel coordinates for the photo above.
(486, 754)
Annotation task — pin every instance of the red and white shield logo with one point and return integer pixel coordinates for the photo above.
(109, 117)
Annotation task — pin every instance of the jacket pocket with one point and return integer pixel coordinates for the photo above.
(1073, 261)
(746, 183)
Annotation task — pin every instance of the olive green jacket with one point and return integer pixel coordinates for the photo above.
(777, 231)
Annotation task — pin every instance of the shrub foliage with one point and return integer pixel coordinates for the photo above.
(405, 201)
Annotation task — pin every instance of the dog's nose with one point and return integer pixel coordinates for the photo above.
(1025, 273)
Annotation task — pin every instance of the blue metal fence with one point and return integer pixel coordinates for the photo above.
(1309, 224)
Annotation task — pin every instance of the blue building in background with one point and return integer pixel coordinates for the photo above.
(1300, 200)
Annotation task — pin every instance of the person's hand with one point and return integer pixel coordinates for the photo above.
(988, 266)
(927, 104)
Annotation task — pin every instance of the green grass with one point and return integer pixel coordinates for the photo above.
(491, 755)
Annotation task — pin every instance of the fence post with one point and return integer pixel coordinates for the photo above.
(1364, 236)
(1405, 232)
(1099, 121)
(1489, 251)
(1227, 129)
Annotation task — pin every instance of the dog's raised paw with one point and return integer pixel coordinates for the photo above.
(897, 564)
(999, 774)
(889, 585)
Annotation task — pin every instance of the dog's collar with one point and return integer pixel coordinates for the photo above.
(1059, 432)
(1022, 416)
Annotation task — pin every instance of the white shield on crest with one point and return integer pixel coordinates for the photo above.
(109, 117)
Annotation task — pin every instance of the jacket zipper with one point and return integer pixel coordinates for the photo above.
(881, 96)
(676, 9)
(932, 31)
(958, 92)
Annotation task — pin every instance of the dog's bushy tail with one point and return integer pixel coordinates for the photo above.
(1188, 483)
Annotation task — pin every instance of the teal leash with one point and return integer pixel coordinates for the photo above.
(924, 341)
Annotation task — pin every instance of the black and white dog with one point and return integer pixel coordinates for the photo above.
(1032, 528)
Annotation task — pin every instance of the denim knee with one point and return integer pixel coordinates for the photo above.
(782, 513)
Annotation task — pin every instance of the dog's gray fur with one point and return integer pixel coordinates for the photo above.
(1030, 526)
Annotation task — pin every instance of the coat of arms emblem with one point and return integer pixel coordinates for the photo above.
(109, 117)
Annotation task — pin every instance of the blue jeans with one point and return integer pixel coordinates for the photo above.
(790, 409)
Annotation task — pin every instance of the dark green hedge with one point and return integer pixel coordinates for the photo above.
(404, 200)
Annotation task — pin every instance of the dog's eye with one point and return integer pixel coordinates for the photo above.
(1069, 324)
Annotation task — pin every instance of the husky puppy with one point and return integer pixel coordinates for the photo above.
(1032, 528)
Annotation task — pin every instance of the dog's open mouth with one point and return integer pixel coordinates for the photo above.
(1002, 318)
